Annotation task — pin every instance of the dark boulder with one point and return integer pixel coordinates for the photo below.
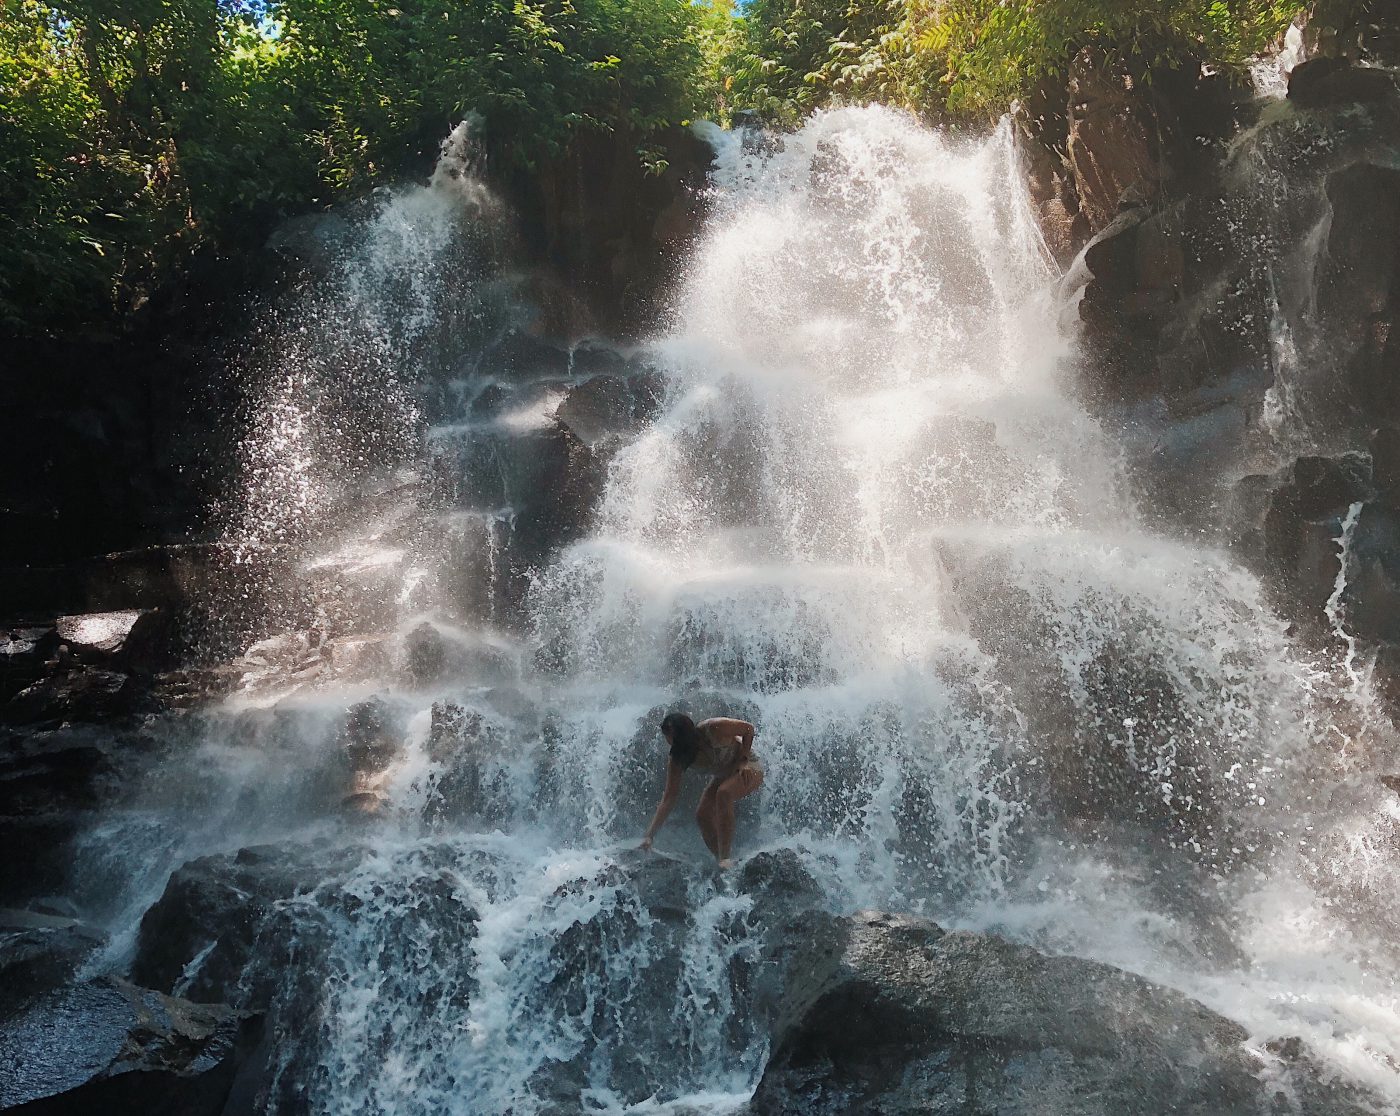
(74, 694)
(112, 1048)
(25, 649)
(52, 783)
(889, 1014)
(522, 356)
(1329, 82)
(1302, 524)
(371, 737)
(39, 952)
(434, 653)
(201, 934)
(554, 503)
(135, 640)
(609, 407)
(1370, 599)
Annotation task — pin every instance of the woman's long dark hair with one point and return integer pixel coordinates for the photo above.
(685, 738)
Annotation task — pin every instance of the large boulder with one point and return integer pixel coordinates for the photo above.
(24, 651)
(1326, 82)
(890, 1014)
(200, 936)
(610, 407)
(38, 952)
(1299, 531)
(133, 639)
(52, 784)
(112, 1048)
(74, 694)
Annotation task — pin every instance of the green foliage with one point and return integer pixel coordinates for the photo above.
(133, 130)
(992, 52)
(974, 57)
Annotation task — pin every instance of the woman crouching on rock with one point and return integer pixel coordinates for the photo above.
(721, 747)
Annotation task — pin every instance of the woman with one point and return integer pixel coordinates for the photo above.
(721, 747)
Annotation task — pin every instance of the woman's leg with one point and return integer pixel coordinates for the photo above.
(705, 818)
(743, 782)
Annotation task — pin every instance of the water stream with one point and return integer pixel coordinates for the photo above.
(868, 515)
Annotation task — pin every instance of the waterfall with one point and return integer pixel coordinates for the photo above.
(869, 514)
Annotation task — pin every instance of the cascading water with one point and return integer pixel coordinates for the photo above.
(870, 517)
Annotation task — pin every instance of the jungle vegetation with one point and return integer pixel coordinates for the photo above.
(134, 132)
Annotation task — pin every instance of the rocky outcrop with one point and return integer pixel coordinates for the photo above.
(873, 1012)
(1241, 335)
(609, 407)
(107, 1046)
(53, 782)
(199, 937)
(1356, 32)
(890, 1014)
(609, 230)
(1105, 139)
(40, 952)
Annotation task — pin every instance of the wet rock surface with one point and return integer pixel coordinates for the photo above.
(200, 937)
(892, 1014)
(107, 1046)
(872, 1012)
(1243, 341)
(53, 783)
(39, 952)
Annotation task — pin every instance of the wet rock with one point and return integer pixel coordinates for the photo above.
(371, 738)
(780, 884)
(38, 952)
(52, 783)
(1371, 596)
(173, 577)
(521, 356)
(890, 1014)
(490, 400)
(365, 804)
(129, 639)
(1042, 129)
(101, 635)
(24, 651)
(83, 694)
(592, 357)
(434, 653)
(58, 906)
(609, 407)
(425, 655)
(1356, 33)
(556, 506)
(1322, 82)
(1302, 524)
(296, 658)
(200, 936)
(471, 788)
(1110, 147)
(112, 1048)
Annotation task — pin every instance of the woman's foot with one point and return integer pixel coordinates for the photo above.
(726, 864)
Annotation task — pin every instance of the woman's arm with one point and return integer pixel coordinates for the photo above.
(674, 771)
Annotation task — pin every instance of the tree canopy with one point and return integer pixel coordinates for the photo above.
(971, 58)
(133, 131)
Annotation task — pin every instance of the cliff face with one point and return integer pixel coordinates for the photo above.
(1237, 294)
